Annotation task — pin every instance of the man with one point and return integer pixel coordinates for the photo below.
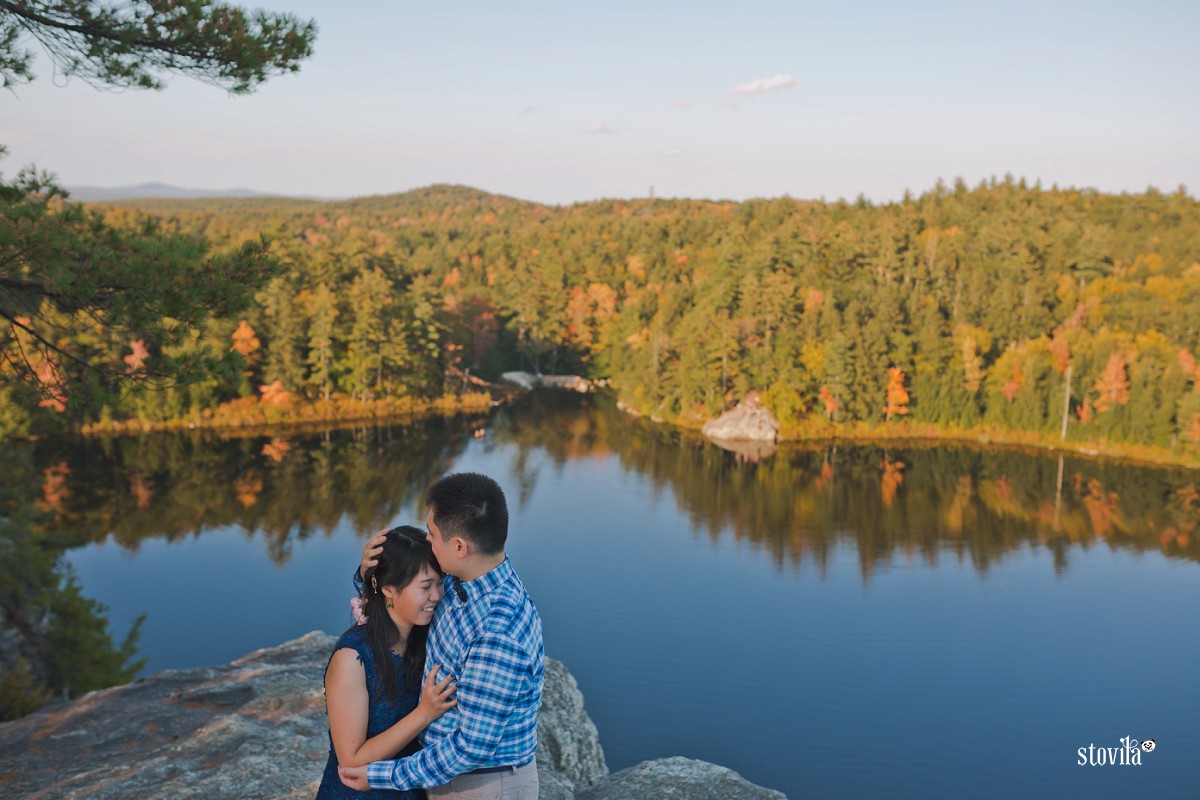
(487, 634)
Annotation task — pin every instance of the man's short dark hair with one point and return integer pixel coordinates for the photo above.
(472, 506)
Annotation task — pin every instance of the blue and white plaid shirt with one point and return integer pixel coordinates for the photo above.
(491, 643)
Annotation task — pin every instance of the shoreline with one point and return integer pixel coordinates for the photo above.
(905, 433)
(307, 418)
(243, 418)
(1028, 443)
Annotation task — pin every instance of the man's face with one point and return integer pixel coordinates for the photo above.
(441, 549)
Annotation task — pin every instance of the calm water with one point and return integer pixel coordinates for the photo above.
(849, 622)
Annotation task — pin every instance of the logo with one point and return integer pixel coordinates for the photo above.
(1127, 754)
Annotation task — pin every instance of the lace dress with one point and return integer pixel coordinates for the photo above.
(381, 717)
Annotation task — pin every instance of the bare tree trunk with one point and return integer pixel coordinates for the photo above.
(1066, 412)
(1058, 493)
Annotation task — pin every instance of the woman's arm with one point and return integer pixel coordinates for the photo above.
(347, 702)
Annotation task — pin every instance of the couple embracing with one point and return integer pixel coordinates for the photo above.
(447, 654)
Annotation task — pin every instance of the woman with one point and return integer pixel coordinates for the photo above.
(373, 692)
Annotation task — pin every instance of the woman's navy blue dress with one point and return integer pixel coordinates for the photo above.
(382, 716)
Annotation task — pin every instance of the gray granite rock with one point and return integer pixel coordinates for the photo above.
(748, 421)
(568, 742)
(255, 729)
(552, 786)
(239, 730)
(676, 779)
(251, 729)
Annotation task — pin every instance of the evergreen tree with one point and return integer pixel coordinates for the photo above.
(370, 295)
(132, 44)
(322, 315)
(285, 335)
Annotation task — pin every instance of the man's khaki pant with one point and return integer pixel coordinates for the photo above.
(517, 784)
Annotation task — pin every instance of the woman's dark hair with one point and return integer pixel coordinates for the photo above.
(405, 552)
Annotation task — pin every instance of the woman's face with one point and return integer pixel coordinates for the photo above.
(415, 603)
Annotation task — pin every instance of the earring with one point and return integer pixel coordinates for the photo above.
(389, 604)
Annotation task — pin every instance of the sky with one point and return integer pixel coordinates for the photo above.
(568, 101)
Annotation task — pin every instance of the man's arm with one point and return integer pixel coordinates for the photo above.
(495, 673)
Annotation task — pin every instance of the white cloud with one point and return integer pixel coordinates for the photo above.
(674, 152)
(599, 128)
(764, 85)
(684, 103)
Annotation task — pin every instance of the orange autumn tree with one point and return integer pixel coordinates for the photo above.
(897, 395)
(829, 400)
(1112, 387)
(246, 345)
(137, 356)
(245, 342)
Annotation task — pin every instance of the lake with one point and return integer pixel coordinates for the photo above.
(837, 621)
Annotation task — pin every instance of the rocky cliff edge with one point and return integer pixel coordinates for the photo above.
(255, 729)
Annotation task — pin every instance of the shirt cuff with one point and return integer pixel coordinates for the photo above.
(379, 774)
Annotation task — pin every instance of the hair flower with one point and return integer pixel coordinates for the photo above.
(356, 608)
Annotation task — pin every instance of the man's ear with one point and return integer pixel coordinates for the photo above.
(460, 546)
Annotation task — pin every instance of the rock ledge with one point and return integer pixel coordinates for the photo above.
(255, 729)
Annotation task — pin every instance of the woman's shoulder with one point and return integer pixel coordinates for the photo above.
(354, 639)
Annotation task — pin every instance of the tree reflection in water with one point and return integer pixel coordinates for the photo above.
(65, 493)
(282, 488)
(928, 500)
(906, 502)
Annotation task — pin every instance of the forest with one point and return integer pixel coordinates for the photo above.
(1002, 311)
(1005, 307)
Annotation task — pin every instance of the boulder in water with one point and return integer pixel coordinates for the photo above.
(748, 421)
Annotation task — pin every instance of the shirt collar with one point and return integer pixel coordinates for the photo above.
(488, 581)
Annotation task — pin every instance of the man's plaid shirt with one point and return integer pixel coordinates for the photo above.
(492, 644)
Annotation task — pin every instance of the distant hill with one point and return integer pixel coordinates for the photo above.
(433, 194)
(418, 202)
(89, 194)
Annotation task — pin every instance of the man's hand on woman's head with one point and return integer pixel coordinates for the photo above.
(371, 551)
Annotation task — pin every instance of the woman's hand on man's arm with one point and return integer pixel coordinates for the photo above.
(437, 697)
